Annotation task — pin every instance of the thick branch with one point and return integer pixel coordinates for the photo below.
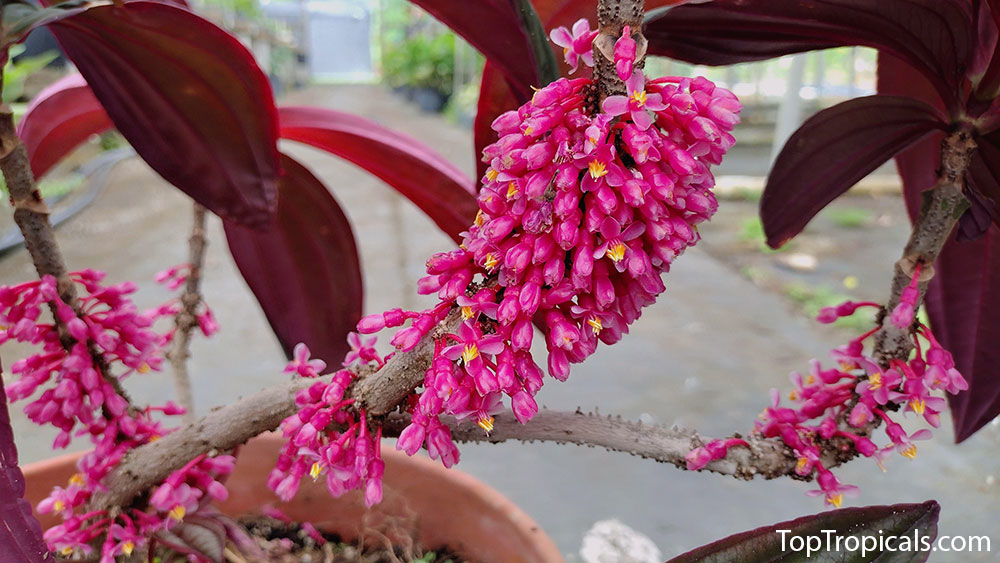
(187, 318)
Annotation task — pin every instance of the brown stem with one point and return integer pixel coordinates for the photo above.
(187, 319)
(942, 206)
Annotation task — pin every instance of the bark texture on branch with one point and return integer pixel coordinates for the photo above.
(187, 319)
(612, 17)
(942, 206)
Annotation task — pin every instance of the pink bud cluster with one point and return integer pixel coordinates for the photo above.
(580, 212)
(174, 278)
(78, 370)
(834, 410)
(348, 456)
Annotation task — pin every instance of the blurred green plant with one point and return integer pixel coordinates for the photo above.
(16, 73)
(850, 217)
(752, 230)
(813, 298)
(422, 62)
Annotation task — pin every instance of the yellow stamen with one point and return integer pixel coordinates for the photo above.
(76, 479)
(144, 368)
(486, 423)
(793, 395)
(847, 366)
(810, 380)
(616, 252)
(314, 471)
(467, 312)
(639, 98)
(597, 169)
(177, 513)
(909, 452)
(595, 324)
(67, 551)
(918, 405)
(528, 131)
(801, 465)
(127, 547)
(491, 261)
(479, 218)
(58, 505)
(470, 353)
(491, 174)
(875, 381)
(512, 190)
(835, 500)
(154, 437)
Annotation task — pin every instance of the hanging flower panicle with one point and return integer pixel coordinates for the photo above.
(580, 213)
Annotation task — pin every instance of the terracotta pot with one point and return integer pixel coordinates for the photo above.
(438, 506)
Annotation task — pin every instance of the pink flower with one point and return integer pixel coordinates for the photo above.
(302, 364)
(831, 489)
(577, 45)
(362, 350)
(471, 347)
(624, 54)
(637, 102)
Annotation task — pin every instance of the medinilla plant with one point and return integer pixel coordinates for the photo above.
(591, 185)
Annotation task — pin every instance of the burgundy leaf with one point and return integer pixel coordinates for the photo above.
(20, 534)
(415, 170)
(60, 117)
(305, 270)
(189, 98)
(935, 36)
(771, 543)
(963, 300)
(832, 151)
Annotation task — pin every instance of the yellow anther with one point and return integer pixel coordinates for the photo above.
(512, 190)
(479, 218)
(639, 98)
(528, 131)
(835, 500)
(918, 405)
(467, 312)
(491, 174)
(76, 479)
(127, 547)
(616, 252)
(177, 513)
(471, 352)
(875, 380)
(801, 465)
(314, 471)
(67, 551)
(143, 368)
(909, 452)
(811, 379)
(491, 262)
(793, 395)
(486, 423)
(58, 505)
(595, 324)
(597, 169)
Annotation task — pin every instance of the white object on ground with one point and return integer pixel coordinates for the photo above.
(610, 541)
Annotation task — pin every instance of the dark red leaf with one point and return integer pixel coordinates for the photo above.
(832, 151)
(935, 36)
(305, 270)
(20, 534)
(963, 300)
(770, 544)
(435, 185)
(188, 97)
(60, 117)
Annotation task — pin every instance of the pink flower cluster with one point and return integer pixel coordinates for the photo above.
(835, 409)
(580, 212)
(78, 372)
(350, 457)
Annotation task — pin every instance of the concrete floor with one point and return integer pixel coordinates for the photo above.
(705, 357)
